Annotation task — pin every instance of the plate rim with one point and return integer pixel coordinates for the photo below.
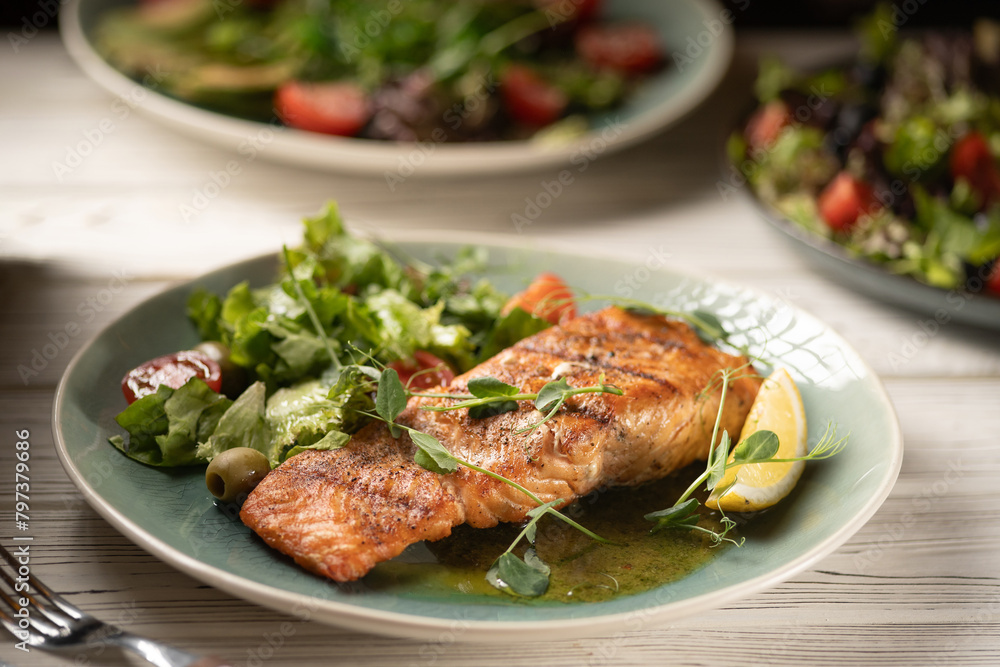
(412, 626)
(317, 151)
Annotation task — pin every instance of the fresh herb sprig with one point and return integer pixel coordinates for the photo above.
(528, 576)
(313, 317)
(759, 447)
(706, 324)
(489, 397)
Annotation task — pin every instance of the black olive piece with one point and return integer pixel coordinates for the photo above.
(976, 276)
(904, 206)
(848, 129)
(868, 75)
(810, 109)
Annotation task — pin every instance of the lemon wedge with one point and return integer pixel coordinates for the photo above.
(756, 486)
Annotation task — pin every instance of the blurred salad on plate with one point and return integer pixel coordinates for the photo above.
(458, 88)
(402, 70)
(893, 157)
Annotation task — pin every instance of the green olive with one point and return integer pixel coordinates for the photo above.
(234, 378)
(234, 473)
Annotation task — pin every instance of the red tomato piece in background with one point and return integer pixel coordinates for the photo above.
(546, 297)
(993, 281)
(337, 107)
(172, 370)
(844, 200)
(971, 160)
(630, 48)
(529, 98)
(766, 124)
(438, 372)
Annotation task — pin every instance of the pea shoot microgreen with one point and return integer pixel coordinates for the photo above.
(527, 577)
(313, 317)
(489, 397)
(759, 447)
(706, 324)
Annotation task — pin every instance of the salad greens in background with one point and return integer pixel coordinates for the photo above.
(893, 156)
(405, 70)
(372, 308)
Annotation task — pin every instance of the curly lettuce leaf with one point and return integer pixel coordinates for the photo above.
(478, 308)
(404, 327)
(269, 332)
(303, 417)
(353, 389)
(242, 425)
(204, 309)
(165, 427)
(193, 424)
(350, 262)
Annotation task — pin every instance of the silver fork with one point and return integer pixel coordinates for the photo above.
(35, 615)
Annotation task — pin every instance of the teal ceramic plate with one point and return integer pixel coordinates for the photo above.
(170, 513)
(695, 29)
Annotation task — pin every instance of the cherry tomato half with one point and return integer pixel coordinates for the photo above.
(337, 107)
(529, 98)
(993, 282)
(546, 297)
(172, 370)
(766, 124)
(433, 372)
(630, 48)
(844, 200)
(971, 159)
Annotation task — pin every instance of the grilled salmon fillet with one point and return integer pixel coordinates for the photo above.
(338, 513)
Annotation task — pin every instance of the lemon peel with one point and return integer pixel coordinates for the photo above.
(756, 486)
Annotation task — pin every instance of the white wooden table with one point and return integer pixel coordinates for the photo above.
(900, 592)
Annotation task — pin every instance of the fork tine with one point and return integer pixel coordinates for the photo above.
(51, 623)
(46, 593)
(46, 618)
(35, 626)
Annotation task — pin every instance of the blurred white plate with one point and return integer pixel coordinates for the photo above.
(698, 43)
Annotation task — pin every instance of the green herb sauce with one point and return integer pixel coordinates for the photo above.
(582, 570)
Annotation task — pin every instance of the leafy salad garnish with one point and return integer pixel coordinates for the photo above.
(306, 340)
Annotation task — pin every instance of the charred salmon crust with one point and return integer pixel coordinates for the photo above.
(338, 516)
(338, 513)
